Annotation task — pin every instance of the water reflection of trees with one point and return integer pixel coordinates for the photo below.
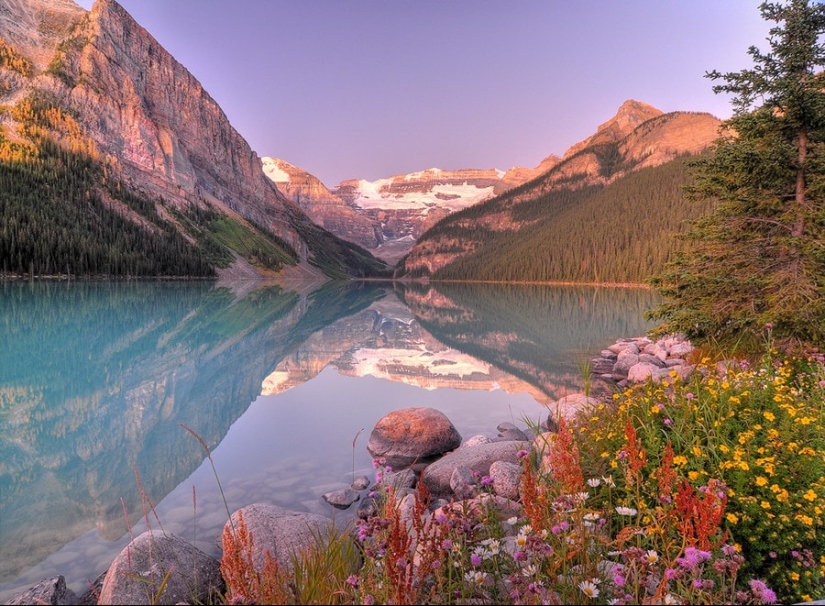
(543, 335)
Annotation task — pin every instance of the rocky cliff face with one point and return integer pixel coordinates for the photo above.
(323, 207)
(155, 127)
(388, 215)
(172, 139)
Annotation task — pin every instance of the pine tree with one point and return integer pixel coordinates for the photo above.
(758, 261)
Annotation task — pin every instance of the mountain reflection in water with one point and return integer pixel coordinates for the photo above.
(96, 379)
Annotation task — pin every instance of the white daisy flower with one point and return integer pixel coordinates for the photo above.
(626, 511)
(589, 589)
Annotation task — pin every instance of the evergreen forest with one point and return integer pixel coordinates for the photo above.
(620, 233)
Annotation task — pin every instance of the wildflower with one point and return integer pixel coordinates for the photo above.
(476, 577)
(651, 556)
(522, 454)
(608, 481)
(529, 570)
(761, 591)
(589, 589)
(446, 544)
(512, 521)
(475, 560)
(810, 495)
(486, 481)
(352, 580)
(493, 546)
(626, 511)
(594, 482)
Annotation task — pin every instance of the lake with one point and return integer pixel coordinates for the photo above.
(98, 380)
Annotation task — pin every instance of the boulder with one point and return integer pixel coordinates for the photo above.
(623, 364)
(138, 573)
(506, 479)
(411, 435)
(280, 531)
(477, 439)
(47, 591)
(641, 372)
(570, 405)
(462, 483)
(360, 483)
(341, 499)
(476, 458)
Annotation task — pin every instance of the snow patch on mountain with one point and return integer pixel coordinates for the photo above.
(273, 170)
(377, 195)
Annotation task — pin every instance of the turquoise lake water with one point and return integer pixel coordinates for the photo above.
(98, 380)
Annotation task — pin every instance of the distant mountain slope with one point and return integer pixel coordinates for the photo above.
(605, 213)
(387, 216)
(155, 133)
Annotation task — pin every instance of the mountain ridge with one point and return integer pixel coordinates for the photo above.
(388, 216)
(162, 135)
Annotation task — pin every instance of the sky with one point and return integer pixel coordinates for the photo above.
(367, 89)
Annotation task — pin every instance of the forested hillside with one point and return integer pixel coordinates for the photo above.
(622, 232)
(63, 214)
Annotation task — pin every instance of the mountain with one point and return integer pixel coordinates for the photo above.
(160, 151)
(388, 216)
(606, 212)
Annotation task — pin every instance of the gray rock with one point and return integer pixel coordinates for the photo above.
(47, 591)
(600, 366)
(477, 439)
(411, 435)
(671, 362)
(367, 508)
(406, 478)
(280, 531)
(513, 434)
(623, 364)
(641, 372)
(341, 499)
(506, 479)
(462, 483)
(360, 483)
(570, 405)
(652, 359)
(679, 350)
(606, 353)
(138, 572)
(476, 458)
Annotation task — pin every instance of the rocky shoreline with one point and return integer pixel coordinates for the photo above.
(409, 446)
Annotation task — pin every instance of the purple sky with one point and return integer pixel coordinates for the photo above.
(373, 88)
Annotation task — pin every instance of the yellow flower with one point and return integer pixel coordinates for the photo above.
(732, 518)
(769, 415)
(693, 475)
(765, 505)
(795, 576)
(761, 481)
(697, 452)
(680, 460)
(810, 495)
